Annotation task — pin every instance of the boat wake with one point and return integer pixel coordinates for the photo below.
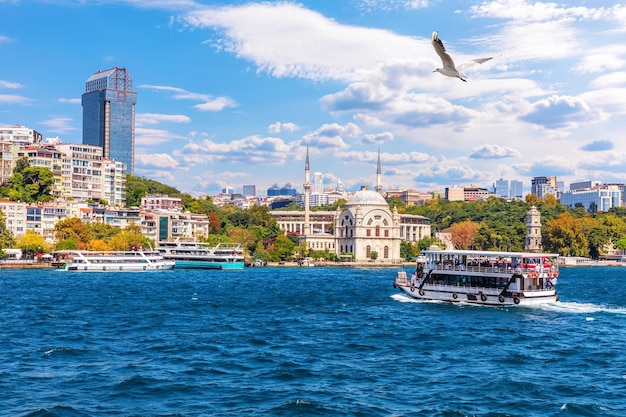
(580, 308)
(404, 299)
(560, 307)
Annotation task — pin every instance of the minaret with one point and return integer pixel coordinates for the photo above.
(379, 183)
(307, 193)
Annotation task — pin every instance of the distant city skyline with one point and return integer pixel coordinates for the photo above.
(233, 93)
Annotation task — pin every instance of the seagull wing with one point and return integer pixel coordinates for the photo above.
(441, 51)
(472, 62)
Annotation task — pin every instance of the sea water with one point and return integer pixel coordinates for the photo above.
(321, 341)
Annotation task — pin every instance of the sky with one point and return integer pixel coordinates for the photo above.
(231, 93)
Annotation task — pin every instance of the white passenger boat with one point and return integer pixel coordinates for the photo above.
(91, 261)
(199, 255)
(483, 277)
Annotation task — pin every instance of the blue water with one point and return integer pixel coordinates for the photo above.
(303, 342)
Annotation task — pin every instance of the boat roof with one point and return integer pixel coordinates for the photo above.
(479, 253)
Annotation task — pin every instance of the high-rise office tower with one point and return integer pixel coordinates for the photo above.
(318, 182)
(109, 115)
(501, 188)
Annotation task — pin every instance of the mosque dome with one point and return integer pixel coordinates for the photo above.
(366, 198)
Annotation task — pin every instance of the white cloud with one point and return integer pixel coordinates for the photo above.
(282, 127)
(288, 40)
(595, 63)
(558, 112)
(493, 152)
(541, 11)
(150, 137)
(156, 160)
(8, 84)
(372, 6)
(70, 100)
(60, 124)
(377, 138)
(209, 102)
(154, 118)
(250, 150)
(13, 99)
(610, 80)
(332, 135)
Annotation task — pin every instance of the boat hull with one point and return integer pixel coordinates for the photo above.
(479, 297)
(81, 267)
(208, 265)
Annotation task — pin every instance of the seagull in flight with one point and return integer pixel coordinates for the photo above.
(449, 69)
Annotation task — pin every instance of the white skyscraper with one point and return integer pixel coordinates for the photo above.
(318, 182)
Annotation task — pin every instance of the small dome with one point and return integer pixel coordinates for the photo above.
(366, 198)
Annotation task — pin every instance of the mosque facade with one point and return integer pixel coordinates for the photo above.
(364, 230)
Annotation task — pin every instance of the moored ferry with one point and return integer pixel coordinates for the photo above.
(483, 277)
(200, 255)
(115, 261)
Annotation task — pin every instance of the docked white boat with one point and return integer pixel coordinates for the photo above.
(200, 255)
(483, 277)
(91, 261)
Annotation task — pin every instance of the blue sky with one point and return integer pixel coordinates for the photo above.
(231, 93)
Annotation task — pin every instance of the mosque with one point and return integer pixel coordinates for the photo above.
(365, 230)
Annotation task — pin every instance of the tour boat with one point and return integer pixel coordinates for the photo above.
(199, 255)
(483, 277)
(91, 261)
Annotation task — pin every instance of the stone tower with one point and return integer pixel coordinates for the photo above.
(533, 230)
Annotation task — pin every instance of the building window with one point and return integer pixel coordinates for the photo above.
(368, 232)
(386, 233)
(377, 231)
(368, 250)
(386, 252)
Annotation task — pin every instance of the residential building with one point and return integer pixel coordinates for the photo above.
(6, 161)
(409, 197)
(455, 193)
(184, 225)
(109, 115)
(114, 182)
(14, 216)
(49, 157)
(156, 202)
(20, 135)
(83, 171)
(542, 186)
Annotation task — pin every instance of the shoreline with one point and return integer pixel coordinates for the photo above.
(320, 264)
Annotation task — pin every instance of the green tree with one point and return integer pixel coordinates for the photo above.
(408, 250)
(282, 249)
(260, 253)
(6, 239)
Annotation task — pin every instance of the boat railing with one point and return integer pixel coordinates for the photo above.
(491, 269)
(507, 269)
